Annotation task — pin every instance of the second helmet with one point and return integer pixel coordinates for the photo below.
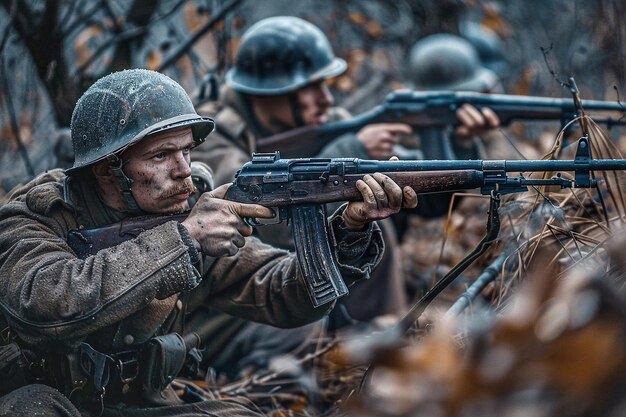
(281, 54)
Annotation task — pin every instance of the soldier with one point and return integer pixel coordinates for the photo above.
(445, 62)
(105, 330)
(448, 62)
(278, 83)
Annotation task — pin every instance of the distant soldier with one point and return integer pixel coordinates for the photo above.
(279, 83)
(445, 62)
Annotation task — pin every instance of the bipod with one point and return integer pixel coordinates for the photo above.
(493, 228)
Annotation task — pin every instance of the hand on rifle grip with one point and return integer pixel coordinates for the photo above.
(382, 197)
(474, 121)
(218, 225)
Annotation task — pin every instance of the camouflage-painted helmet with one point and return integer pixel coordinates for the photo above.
(281, 54)
(125, 107)
(448, 62)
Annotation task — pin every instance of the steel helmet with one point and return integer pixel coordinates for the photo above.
(124, 107)
(282, 54)
(448, 62)
(488, 46)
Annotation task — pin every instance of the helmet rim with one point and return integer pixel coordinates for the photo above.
(201, 127)
(237, 82)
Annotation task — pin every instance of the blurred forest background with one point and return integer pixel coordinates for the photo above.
(51, 51)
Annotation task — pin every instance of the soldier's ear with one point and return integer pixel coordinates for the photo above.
(102, 172)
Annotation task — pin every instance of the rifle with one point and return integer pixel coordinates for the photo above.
(434, 109)
(300, 188)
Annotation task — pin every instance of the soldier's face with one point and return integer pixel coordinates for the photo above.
(159, 166)
(314, 101)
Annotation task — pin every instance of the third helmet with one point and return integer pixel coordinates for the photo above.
(448, 62)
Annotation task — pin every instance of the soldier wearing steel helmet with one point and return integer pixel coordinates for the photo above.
(446, 62)
(278, 83)
(452, 63)
(105, 334)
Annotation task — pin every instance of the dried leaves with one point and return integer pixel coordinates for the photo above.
(558, 350)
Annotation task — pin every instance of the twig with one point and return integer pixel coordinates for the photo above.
(129, 34)
(182, 49)
(488, 275)
(13, 119)
(257, 380)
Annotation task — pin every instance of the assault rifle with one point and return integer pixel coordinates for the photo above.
(300, 188)
(435, 109)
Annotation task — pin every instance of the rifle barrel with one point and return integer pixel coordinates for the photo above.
(365, 166)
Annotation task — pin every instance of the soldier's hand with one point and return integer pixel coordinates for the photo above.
(474, 121)
(379, 138)
(217, 226)
(382, 197)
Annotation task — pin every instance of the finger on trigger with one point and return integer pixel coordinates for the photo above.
(254, 211)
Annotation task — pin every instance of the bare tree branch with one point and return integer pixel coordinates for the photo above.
(185, 46)
(13, 120)
(7, 30)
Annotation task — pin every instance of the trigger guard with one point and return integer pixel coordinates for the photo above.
(251, 221)
(254, 222)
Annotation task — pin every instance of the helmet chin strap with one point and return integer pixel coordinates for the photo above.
(295, 109)
(125, 183)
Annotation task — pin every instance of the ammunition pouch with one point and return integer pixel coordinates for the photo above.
(16, 365)
(92, 379)
(162, 361)
(13, 368)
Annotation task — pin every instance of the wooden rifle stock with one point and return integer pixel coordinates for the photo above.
(87, 242)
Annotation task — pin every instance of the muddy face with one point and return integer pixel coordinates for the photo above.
(159, 166)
